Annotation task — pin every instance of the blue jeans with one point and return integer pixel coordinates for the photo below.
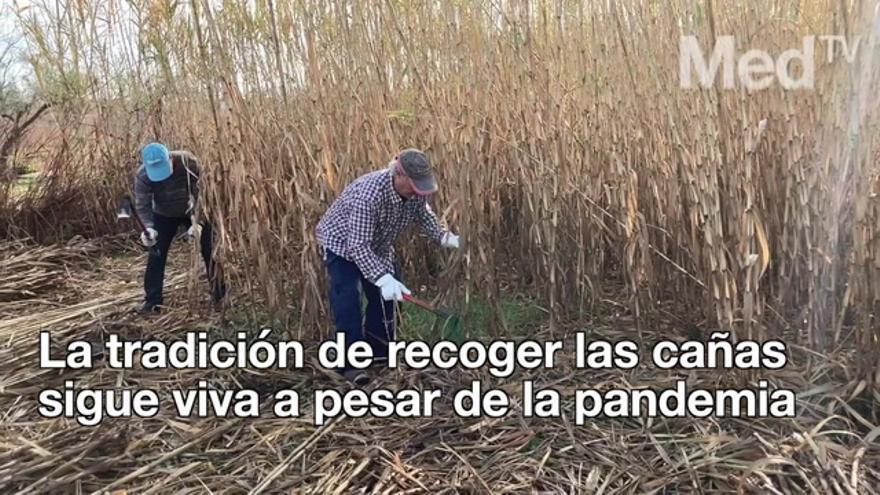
(347, 283)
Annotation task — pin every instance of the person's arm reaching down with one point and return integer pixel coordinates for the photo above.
(143, 200)
(430, 224)
(432, 228)
(195, 173)
(143, 205)
(360, 233)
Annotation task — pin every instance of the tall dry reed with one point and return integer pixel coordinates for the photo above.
(568, 154)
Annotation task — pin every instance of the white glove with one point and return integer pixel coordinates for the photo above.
(391, 288)
(149, 236)
(449, 240)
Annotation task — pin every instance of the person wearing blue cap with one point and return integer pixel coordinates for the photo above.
(166, 189)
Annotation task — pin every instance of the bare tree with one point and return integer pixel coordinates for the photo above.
(19, 109)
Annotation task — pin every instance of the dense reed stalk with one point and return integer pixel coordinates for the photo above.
(568, 153)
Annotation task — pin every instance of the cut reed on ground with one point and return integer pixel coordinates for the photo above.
(830, 447)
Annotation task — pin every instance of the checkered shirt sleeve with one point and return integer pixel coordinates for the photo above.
(361, 218)
(429, 223)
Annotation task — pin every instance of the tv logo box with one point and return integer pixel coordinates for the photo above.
(755, 69)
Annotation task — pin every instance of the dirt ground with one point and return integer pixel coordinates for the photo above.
(84, 290)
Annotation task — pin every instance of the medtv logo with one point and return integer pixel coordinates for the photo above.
(756, 69)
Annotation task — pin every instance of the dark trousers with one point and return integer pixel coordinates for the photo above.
(347, 284)
(154, 277)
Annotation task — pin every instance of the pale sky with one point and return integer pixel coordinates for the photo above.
(10, 34)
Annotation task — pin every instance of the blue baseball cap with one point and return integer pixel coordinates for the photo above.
(157, 161)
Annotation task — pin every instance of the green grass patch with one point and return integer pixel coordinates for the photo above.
(533, 445)
(478, 320)
(252, 320)
(402, 114)
(23, 183)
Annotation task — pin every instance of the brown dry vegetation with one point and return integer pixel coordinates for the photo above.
(830, 447)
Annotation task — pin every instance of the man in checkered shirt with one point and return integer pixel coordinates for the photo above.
(357, 235)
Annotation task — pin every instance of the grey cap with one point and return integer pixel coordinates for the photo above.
(416, 166)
